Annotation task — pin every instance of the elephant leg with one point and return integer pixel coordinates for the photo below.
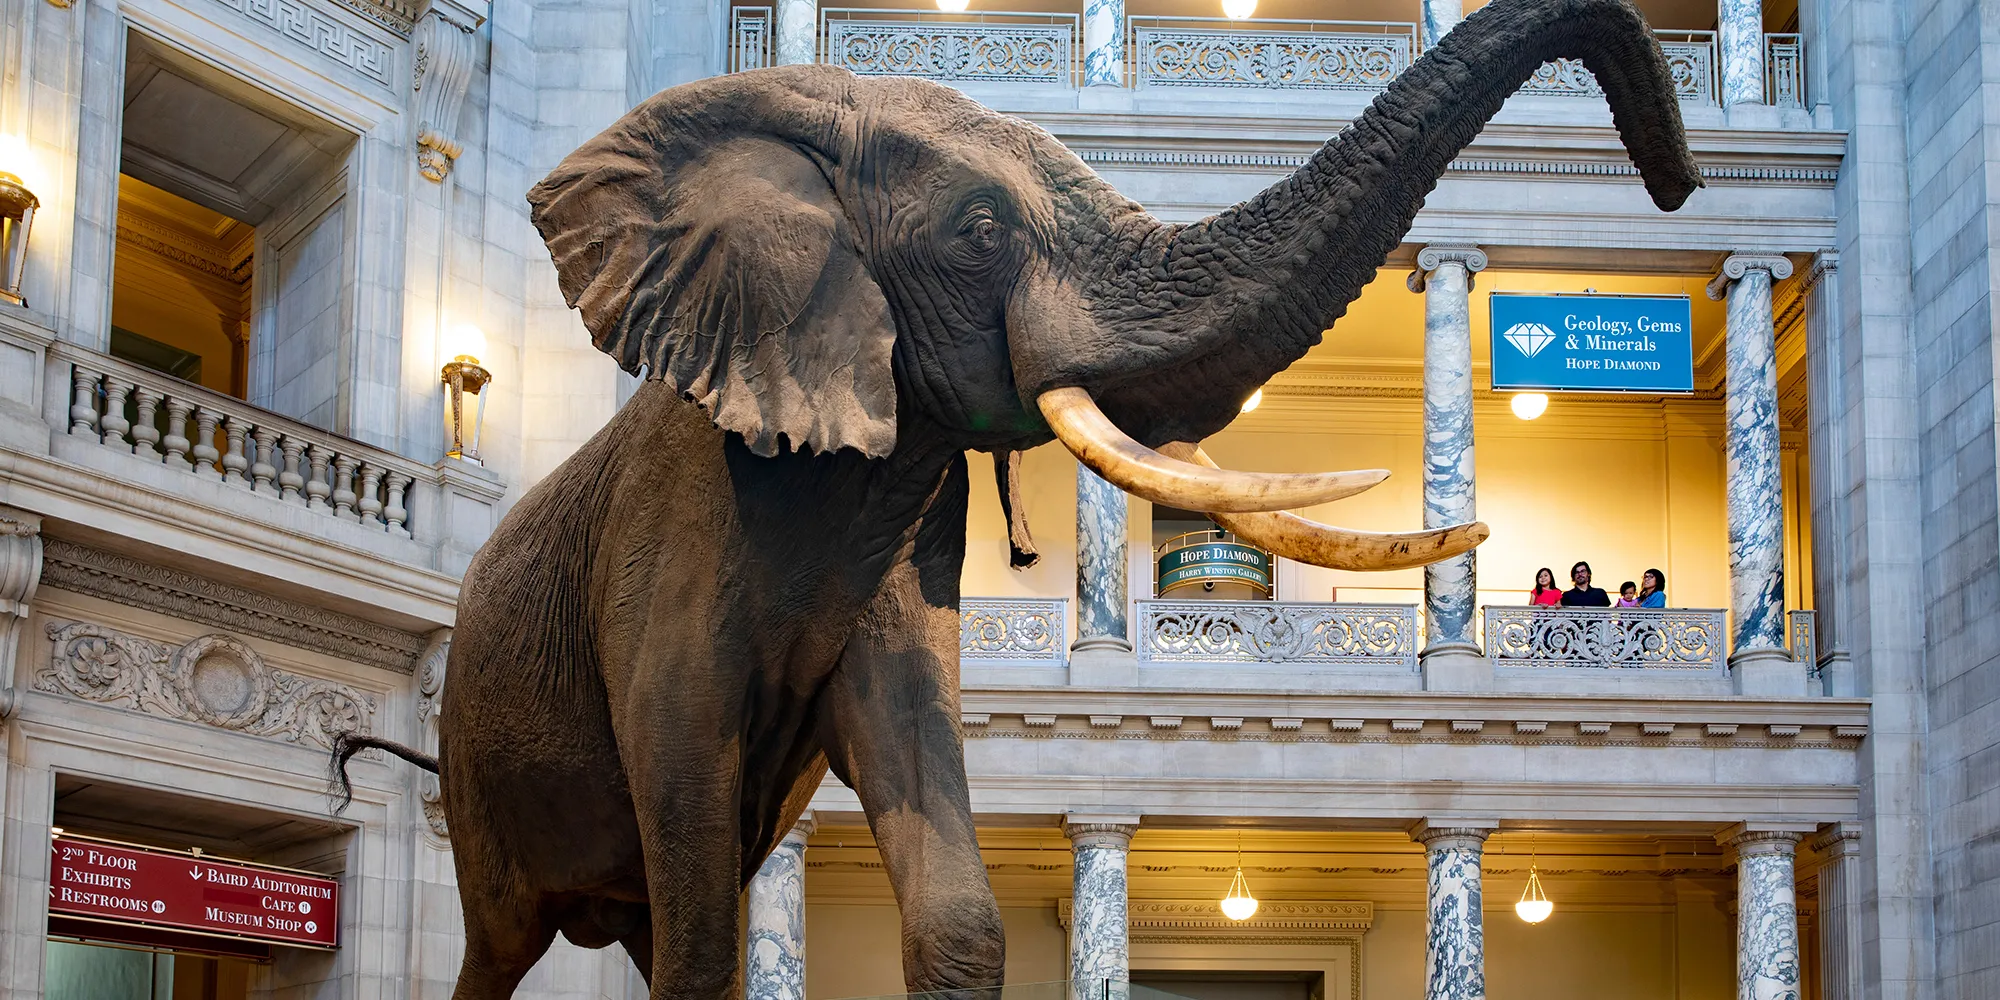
(892, 734)
(503, 940)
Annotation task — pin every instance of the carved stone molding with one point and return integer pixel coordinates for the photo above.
(1736, 265)
(430, 695)
(215, 680)
(443, 66)
(308, 26)
(20, 572)
(1436, 255)
(1194, 921)
(126, 581)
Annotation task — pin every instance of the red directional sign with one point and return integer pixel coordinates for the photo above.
(142, 886)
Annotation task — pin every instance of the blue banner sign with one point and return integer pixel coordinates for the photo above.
(1593, 343)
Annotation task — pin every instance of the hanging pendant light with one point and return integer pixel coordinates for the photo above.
(953, 6)
(1237, 10)
(1239, 904)
(1534, 906)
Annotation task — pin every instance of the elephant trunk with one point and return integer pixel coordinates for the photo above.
(1231, 301)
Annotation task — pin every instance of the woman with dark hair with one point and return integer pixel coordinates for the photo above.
(1653, 589)
(1583, 595)
(1545, 593)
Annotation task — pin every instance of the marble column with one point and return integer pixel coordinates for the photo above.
(1758, 658)
(1440, 16)
(1104, 43)
(1444, 276)
(1741, 40)
(1841, 944)
(1100, 573)
(798, 31)
(1454, 928)
(1827, 415)
(774, 961)
(1099, 945)
(1767, 913)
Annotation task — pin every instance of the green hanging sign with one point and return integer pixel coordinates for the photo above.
(1215, 562)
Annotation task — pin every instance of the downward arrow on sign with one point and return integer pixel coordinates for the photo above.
(194, 873)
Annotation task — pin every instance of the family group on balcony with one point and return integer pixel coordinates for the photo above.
(1649, 592)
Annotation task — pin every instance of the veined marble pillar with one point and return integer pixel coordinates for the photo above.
(1099, 948)
(1767, 913)
(775, 958)
(1758, 658)
(1104, 43)
(1444, 276)
(1742, 42)
(797, 31)
(1840, 917)
(1440, 16)
(1100, 567)
(1454, 930)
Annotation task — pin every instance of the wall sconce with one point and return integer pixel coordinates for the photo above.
(462, 374)
(17, 216)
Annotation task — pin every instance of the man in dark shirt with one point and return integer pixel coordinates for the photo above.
(1583, 595)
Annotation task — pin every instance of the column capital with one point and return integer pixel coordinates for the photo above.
(802, 829)
(1436, 255)
(1753, 837)
(1837, 840)
(1824, 264)
(1446, 833)
(1736, 265)
(1087, 830)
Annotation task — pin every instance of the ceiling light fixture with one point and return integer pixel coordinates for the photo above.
(1239, 904)
(1237, 10)
(1255, 399)
(1529, 405)
(1534, 906)
(953, 6)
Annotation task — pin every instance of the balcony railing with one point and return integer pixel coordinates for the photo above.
(1268, 54)
(1013, 630)
(751, 36)
(971, 47)
(1374, 635)
(1605, 638)
(1690, 57)
(1785, 71)
(1804, 629)
(162, 420)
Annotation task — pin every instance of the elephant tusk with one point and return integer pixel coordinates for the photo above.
(1143, 472)
(1317, 544)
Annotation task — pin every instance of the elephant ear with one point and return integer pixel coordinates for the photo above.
(728, 268)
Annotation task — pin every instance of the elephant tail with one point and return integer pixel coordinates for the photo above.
(347, 745)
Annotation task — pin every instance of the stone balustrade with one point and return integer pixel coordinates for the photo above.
(996, 46)
(751, 38)
(1690, 639)
(158, 419)
(1013, 630)
(1268, 53)
(1785, 70)
(1691, 56)
(1274, 632)
(1804, 629)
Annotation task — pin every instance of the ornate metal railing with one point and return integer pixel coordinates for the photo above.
(1649, 638)
(1690, 56)
(1268, 53)
(1785, 70)
(750, 38)
(1376, 635)
(1804, 628)
(1017, 630)
(970, 47)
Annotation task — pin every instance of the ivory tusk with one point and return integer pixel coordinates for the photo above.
(1317, 544)
(1143, 472)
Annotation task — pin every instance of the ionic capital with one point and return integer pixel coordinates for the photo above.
(1736, 265)
(1825, 264)
(1436, 255)
(1086, 832)
(1754, 838)
(1837, 840)
(796, 836)
(1452, 834)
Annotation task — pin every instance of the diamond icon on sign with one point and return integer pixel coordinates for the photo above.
(1529, 338)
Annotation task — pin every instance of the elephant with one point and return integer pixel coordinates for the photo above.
(836, 287)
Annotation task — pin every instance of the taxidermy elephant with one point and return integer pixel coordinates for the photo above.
(836, 287)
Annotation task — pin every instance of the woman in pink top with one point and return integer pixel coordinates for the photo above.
(1545, 593)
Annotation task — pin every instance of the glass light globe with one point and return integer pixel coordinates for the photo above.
(1239, 904)
(953, 6)
(1255, 399)
(1534, 911)
(1529, 405)
(1238, 9)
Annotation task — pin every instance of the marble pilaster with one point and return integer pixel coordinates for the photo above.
(1827, 464)
(797, 31)
(1454, 928)
(1444, 276)
(1104, 43)
(1100, 565)
(1767, 913)
(1741, 40)
(775, 953)
(1440, 16)
(1841, 916)
(1099, 938)
(1758, 657)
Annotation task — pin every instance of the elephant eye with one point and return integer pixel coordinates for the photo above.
(982, 234)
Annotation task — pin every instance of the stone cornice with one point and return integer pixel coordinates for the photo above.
(84, 570)
(1178, 921)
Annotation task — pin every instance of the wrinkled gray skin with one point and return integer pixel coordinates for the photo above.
(838, 287)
